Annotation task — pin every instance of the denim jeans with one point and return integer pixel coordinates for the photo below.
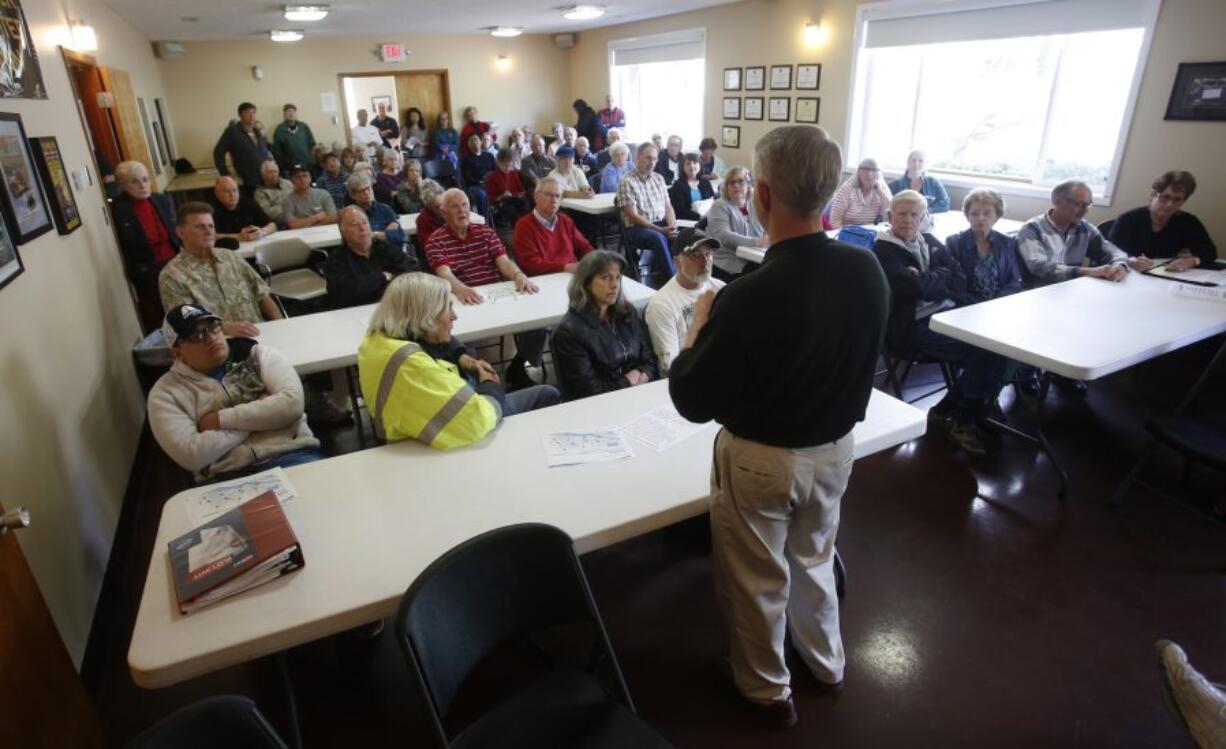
(640, 237)
(982, 373)
(530, 399)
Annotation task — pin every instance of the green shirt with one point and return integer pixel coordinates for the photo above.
(293, 146)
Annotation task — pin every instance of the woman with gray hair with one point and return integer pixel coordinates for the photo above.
(619, 166)
(916, 179)
(734, 222)
(988, 258)
(420, 382)
(862, 199)
(602, 343)
(431, 216)
(407, 198)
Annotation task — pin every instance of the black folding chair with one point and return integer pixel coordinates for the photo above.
(228, 721)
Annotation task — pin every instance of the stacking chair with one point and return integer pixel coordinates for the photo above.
(499, 588)
(896, 379)
(290, 265)
(441, 171)
(228, 721)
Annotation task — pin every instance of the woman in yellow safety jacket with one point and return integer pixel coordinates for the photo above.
(420, 382)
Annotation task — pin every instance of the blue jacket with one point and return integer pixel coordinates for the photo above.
(380, 215)
(1008, 264)
(938, 199)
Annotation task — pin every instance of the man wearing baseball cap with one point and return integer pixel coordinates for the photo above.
(574, 181)
(227, 407)
(671, 309)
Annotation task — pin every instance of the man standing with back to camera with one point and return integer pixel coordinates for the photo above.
(784, 359)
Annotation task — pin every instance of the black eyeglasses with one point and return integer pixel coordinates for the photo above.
(211, 328)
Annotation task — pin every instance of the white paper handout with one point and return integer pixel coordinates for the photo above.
(661, 428)
(499, 293)
(592, 446)
(219, 499)
(1204, 293)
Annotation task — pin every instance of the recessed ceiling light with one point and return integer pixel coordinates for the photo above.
(285, 35)
(306, 12)
(506, 31)
(582, 12)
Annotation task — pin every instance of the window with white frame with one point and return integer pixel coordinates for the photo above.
(1022, 92)
(658, 82)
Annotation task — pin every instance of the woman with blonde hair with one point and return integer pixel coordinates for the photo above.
(419, 382)
(733, 221)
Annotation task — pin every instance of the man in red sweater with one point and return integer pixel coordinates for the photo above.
(546, 240)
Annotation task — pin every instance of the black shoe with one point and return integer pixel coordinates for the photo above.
(1071, 386)
(517, 376)
(326, 412)
(777, 714)
(968, 438)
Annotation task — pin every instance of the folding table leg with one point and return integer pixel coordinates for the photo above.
(290, 699)
(1039, 438)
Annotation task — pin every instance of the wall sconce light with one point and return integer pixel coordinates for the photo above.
(815, 34)
(504, 62)
(83, 37)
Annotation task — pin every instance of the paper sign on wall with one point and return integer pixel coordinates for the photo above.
(327, 102)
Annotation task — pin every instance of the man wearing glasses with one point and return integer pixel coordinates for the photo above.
(1054, 245)
(227, 408)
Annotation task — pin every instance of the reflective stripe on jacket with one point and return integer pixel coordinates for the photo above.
(412, 394)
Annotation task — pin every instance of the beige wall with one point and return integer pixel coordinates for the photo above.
(209, 82)
(762, 32)
(70, 410)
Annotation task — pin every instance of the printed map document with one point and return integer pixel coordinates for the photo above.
(661, 428)
(219, 499)
(593, 446)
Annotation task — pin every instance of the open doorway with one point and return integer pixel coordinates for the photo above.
(428, 91)
(94, 104)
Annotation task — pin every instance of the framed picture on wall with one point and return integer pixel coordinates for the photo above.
(781, 77)
(732, 79)
(809, 77)
(755, 78)
(731, 136)
(732, 107)
(1199, 92)
(10, 261)
(55, 181)
(23, 203)
(21, 77)
(753, 107)
(386, 101)
(780, 109)
(807, 108)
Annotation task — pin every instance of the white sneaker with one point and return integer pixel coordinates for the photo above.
(1200, 705)
(536, 374)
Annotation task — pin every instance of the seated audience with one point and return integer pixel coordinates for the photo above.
(333, 178)
(383, 220)
(431, 216)
(145, 224)
(733, 222)
(506, 190)
(214, 278)
(473, 126)
(574, 181)
(657, 140)
(440, 393)
(387, 126)
(915, 179)
(317, 156)
(360, 269)
(862, 199)
(292, 141)
(584, 158)
(389, 177)
(559, 133)
(227, 408)
(407, 198)
(646, 212)
(587, 125)
(272, 191)
(601, 344)
(467, 255)
(1162, 229)
(488, 145)
(605, 156)
(611, 116)
(689, 188)
(668, 165)
(712, 166)
(446, 140)
(671, 309)
(416, 138)
(474, 167)
(546, 240)
(517, 145)
(248, 146)
(537, 164)
(351, 157)
(365, 136)
(569, 136)
(1053, 246)
(988, 258)
(616, 167)
(306, 205)
(237, 216)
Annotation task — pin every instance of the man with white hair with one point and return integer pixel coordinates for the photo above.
(382, 219)
(547, 240)
(273, 188)
(784, 359)
(237, 216)
(361, 268)
(612, 136)
(584, 158)
(611, 116)
(671, 309)
(145, 225)
(616, 167)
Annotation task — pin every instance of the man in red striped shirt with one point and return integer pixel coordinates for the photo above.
(466, 255)
(546, 240)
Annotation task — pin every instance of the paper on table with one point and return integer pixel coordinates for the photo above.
(661, 428)
(1192, 275)
(499, 294)
(219, 499)
(1205, 293)
(594, 446)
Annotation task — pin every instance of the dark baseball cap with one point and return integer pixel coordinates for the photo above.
(299, 168)
(703, 243)
(183, 320)
(565, 152)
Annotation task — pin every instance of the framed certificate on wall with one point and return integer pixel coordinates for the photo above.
(753, 107)
(808, 77)
(731, 136)
(755, 78)
(807, 108)
(732, 79)
(781, 77)
(732, 107)
(780, 109)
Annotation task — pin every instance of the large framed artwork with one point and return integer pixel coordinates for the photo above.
(1199, 92)
(10, 261)
(20, 74)
(51, 168)
(23, 203)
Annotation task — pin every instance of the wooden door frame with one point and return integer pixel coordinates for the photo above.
(340, 84)
(70, 58)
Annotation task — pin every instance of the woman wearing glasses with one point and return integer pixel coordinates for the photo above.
(734, 223)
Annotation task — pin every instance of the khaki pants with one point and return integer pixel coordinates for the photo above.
(774, 518)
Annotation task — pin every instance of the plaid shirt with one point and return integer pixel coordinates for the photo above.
(228, 285)
(648, 195)
(336, 186)
(1051, 256)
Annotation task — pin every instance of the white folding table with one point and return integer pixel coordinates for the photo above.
(328, 235)
(371, 521)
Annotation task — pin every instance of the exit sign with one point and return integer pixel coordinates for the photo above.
(393, 53)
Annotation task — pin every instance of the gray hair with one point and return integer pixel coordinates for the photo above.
(430, 191)
(1064, 190)
(984, 196)
(917, 152)
(614, 131)
(619, 147)
(410, 306)
(411, 163)
(357, 181)
(555, 179)
(583, 139)
(269, 163)
(453, 192)
(801, 166)
(592, 265)
(723, 186)
(908, 197)
(127, 170)
(571, 131)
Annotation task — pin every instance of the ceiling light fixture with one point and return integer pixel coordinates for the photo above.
(582, 12)
(285, 35)
(306, 12)
(506, 31)
(504, 62)
(83, 37)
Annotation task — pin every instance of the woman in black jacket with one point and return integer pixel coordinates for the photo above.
(588, 125)
(689, 189)
(602, 344)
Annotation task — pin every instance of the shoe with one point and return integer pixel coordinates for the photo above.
(326, 412)
(1071, 386)
(1199, 705)
(778, 714)
(796, 665)
(968, 438)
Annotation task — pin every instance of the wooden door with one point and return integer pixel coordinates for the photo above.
(127, 120)
(87, 85)
(428, 90)
(40, 691)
